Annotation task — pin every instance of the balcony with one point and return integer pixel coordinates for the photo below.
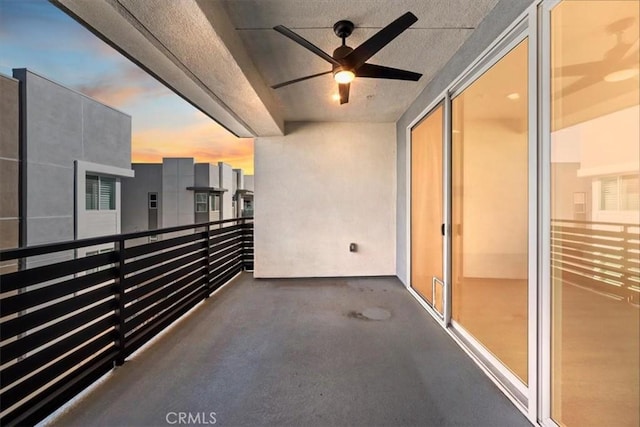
(357, 351)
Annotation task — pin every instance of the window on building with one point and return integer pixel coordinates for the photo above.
(620, 193)
(214, 202)
(202, 202)
(100, 193)
(153, 200)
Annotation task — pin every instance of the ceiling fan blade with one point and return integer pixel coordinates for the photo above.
(344, 92)
(381, 72)
(619, 51)
(379, 40)
(581, 69)
(305, 43)
(635, 48)
(299, 80)
(578, 85)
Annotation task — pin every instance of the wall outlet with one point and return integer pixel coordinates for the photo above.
(353, 247)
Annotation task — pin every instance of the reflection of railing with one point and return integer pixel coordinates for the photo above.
(64, 325)
(601, 256)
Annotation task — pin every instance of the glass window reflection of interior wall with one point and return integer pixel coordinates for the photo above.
(595, 217)
(490, 209)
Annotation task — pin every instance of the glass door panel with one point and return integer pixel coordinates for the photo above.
(490, 209)
(426, 208)
(595, 215)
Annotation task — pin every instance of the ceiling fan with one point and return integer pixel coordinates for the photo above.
(349, 63)
(619, 63)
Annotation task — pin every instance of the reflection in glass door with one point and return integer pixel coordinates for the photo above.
(426, 208)
(490, 210)
(595, 213)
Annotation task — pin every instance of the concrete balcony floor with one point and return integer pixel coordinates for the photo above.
(300, 352)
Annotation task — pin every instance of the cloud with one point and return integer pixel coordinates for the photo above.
(126, 84)
(113, 96)
(204, 140)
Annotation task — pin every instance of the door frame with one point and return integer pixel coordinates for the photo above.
(441, 101)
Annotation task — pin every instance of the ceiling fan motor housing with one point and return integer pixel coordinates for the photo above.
(338, 54)
(343, 29)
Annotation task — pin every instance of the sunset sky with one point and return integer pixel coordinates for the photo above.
(36, 35)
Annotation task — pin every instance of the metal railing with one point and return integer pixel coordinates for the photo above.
(66, 323)
(601, 256)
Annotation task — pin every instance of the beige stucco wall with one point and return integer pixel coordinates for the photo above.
(319, 188)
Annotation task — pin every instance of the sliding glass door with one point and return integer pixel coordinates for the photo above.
(426, 208)
(490, 146)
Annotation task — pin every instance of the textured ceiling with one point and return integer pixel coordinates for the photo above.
(442, 27)
(223, 55)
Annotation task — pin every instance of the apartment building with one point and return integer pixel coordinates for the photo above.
(63, 156)
(180, 191)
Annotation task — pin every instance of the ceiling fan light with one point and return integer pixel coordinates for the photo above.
(344, 76)
(621, 75)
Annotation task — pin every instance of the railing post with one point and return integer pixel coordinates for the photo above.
(247, 243)
(119, 294)
(207, 275)
(244, 244)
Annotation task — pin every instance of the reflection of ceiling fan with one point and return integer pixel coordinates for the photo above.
(349, 63)
(618, 63)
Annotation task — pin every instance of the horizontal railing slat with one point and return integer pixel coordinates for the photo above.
(151, 298)
(32, 384)
(219, 267)
(226, 276)
(50, 313)
(41, 405)
(132, 267)
(162, 269)
(590, 231)
(619, 251)
(218, 261)
(215, 240)
(595, 240)
(225, 230)
(217, 249)
(182, 292)
(32, 298)
(590, 263)
(143, 290)
(148, 248)
(23, 367)
(141, 336)
(32, 276)
(37, 339)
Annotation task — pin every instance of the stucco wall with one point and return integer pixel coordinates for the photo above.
(61, 126)
(9, 168)
(504, 14)
(135, 206)
(226, 181)
(319, 188)
(177, 202)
